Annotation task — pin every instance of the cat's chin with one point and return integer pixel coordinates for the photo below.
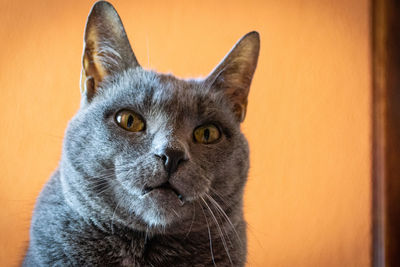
(162, 206)
(165, 197)
(162, 191)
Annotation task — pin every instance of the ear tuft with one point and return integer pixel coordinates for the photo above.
(234, 74)
(106, 48)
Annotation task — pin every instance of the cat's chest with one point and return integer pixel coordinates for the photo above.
(131, 250)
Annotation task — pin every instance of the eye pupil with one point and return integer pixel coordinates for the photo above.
(206, 134)
(130, 121)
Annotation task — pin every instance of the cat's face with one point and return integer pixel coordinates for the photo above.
(171, 111)
(151, 148)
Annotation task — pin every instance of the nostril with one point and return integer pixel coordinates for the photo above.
(180, 161)
(171, 159)
(162, 157)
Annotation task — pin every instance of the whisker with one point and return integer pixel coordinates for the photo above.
(100, 184)
(104, 190)
(112, 219)
(191, 224)
(209, 235)
(176, 213)
(146, 235)
(218, 195)
(222, 218)
(219, 230)
(225, 215)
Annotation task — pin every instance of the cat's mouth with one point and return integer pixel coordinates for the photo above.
(164, 186)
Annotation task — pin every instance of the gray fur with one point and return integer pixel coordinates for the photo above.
(92, 211)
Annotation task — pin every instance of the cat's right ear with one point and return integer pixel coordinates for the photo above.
(106, 49)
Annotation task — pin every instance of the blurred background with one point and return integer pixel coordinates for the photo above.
(308, 198)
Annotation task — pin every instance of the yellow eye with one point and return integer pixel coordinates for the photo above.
(206, 134)
(130, 121)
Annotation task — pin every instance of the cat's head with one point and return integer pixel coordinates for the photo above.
(150, 149)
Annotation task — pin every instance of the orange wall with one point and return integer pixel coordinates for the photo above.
(308, 123)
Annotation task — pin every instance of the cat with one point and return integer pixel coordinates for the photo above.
(153, 167)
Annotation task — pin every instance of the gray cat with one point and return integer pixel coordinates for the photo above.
(153, 167)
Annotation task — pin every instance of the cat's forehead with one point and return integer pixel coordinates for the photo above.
(166, 92)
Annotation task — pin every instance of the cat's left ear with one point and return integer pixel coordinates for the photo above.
(106, 49)
(234, 74)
